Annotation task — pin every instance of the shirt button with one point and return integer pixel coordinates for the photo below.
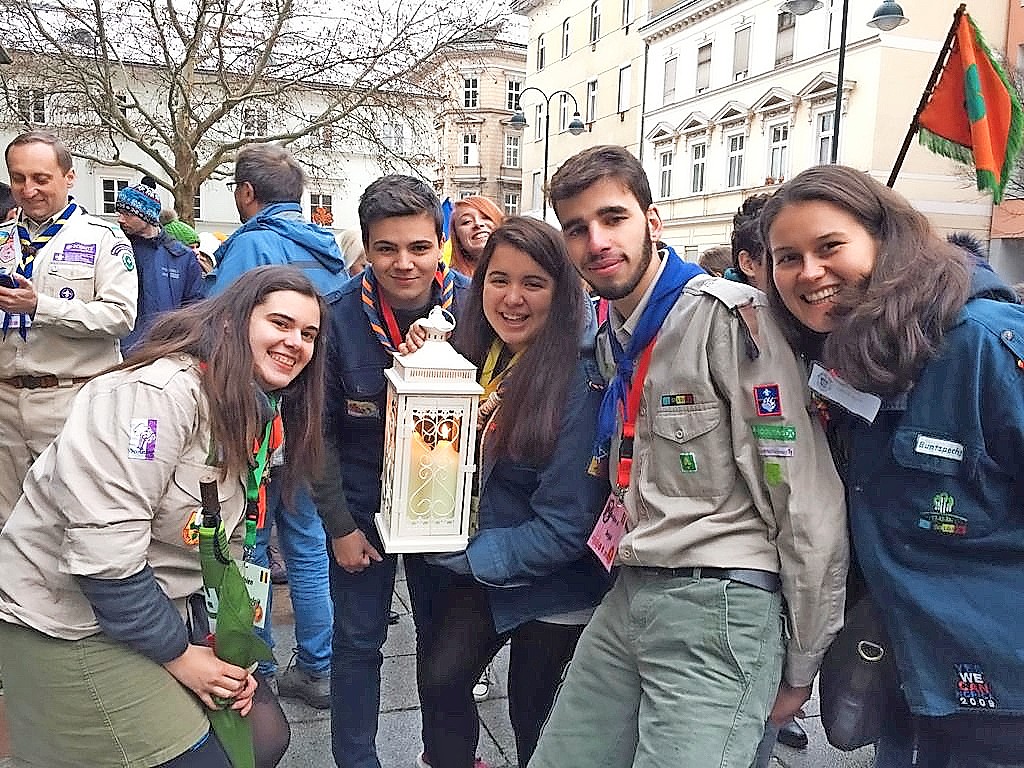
(626, 553)
(680, 434)
(857, 488)
(643, 410)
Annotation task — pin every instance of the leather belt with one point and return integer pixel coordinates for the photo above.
(46, 381)
(765, 580)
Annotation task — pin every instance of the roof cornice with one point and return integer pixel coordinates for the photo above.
(682, 15)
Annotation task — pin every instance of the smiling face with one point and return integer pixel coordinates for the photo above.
(38, 184)
(473, 228)
(610, 239)
(403, 252)
(282, 333)
(517, 296)
(818, 252)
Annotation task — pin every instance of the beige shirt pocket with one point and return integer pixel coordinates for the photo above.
(178, 516)
(691, 457)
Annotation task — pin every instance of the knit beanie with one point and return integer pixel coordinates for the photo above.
(140, 200)
(181, 232)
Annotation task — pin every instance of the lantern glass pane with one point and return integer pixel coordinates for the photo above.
(434, 471)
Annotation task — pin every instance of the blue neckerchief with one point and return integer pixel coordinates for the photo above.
(674, 277)
(29, 248)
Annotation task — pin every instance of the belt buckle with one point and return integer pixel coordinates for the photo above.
(31, 382)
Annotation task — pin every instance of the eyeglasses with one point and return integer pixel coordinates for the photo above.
(233, 184)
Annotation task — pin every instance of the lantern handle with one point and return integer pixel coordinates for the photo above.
(438, 324)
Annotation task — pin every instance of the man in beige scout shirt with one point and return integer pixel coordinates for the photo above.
(729, 502)
(68, 292)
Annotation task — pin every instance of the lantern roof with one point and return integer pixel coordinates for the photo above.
(434, 368)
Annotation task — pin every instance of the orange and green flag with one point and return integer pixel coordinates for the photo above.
(974, 114)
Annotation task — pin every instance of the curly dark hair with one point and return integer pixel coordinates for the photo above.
(890, 327)
(746, 231)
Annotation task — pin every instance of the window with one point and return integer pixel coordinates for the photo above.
(254, 121)
(595, 21)
(627, 12)
(668, 88)
(735, 142)
(538, 190)
(703, 67)
(511, 203)
(197, 203)
(31, 104)
(591, 101)
(511, 150)
(538, 123)
(470, 149)
(326, 136)
(565, 39)
(665, 177)
(623, 101)
(512, 94)
(470, 92)
(823, 136)
(463, 194)
(698, 154)
(741, 54)
(121, 102)
(778, 150)
(110, 189)
(563, 112)
(784, 38)
(320, 209)
(392, 136)
(541, 52)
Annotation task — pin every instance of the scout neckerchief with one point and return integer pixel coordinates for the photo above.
(255, 492)
(382, 317)
(30, 246)
(674, 277)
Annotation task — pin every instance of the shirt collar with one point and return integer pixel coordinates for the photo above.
(34, 227)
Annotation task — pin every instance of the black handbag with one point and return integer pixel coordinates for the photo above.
(858, 680)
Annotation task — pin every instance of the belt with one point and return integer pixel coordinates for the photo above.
(46, 381)
(765, 580)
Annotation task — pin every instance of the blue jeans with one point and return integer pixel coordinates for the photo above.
(362, 602)
(304, 548)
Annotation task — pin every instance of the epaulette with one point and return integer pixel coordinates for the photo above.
(98, 222)
(742, 300)
(160, 373)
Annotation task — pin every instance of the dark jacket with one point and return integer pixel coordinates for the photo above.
(935, 487)
(169, 278)
(279, 235)
(531, 550)
(348, 494)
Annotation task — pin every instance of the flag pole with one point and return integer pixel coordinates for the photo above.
(932, 79)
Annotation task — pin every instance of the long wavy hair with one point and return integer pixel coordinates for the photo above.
(535, 389)
(482, 206)
(889, 327)
(216, 332)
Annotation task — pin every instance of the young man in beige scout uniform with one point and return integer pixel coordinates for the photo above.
(67, 294)
(726, 497)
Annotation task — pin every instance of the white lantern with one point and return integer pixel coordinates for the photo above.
(429, 446)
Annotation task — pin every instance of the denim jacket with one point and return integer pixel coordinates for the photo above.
(935, 491)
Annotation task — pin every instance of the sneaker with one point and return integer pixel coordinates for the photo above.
(278, 570)
(422, 762)
(299, 684)
(483, 685)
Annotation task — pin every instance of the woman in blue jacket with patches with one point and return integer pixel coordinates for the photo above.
(932, 445)
(527, 573)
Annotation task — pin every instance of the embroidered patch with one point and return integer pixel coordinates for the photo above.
(785, 432)
(66, 293)
(77, 253)
(941, 519)
(4, 236)
(933, 446)
(190, 533)
(768, 400)
(362, 409)
(124, 252)
(142, 440)
(772, 473)
(972, 689)
(687, 462)
(686, 399)
(782, 451)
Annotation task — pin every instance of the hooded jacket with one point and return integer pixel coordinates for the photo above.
(279, 235)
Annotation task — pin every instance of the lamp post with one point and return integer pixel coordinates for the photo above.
(886, 17)
(576, 127)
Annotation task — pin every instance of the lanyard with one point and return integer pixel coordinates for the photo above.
(636, 390)
(255, 507)
(488, 380)
(389, 320)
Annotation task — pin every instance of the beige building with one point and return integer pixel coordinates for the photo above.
(740, 95)
(479, 153)
(591, 50)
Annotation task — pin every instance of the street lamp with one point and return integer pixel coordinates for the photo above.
(576, 127)
(887, 16)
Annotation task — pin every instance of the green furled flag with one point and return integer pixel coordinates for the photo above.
(974, 113)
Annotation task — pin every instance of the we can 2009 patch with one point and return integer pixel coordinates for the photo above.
(972, 689)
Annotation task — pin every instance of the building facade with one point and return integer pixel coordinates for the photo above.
(741, 95)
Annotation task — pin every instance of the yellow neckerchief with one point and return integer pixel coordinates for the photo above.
(488, 380)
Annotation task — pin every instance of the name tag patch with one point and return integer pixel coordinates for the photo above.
(77, 253)
(933, 446)
(142, 440)
(781, 451)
